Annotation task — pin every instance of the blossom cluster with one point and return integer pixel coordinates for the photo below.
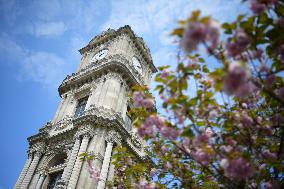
(140, 100)
(199, 32)
(154, 124)
(95, 174)
(221, 126)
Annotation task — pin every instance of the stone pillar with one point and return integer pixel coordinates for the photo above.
(31, 170)
(68, 169)
(105, 166)
(40, 181)
(23, 173)
(90, 99)
(78, 164)
(34, 181)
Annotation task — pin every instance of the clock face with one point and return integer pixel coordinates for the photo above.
(137, 65)
(100, 55)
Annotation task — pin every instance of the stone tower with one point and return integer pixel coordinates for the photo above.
(92, 115)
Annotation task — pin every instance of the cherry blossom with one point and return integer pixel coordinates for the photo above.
(140, 100)
(237, 81)
(197, 32)
(202, 156)
(238, 45)
(238, 168)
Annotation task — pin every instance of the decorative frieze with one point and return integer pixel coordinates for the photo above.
(63, 123)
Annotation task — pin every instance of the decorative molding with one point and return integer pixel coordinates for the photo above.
(56, 168)
(136, 141)
(38, 148)
(113, 136)
(63, 123)
(87, 74)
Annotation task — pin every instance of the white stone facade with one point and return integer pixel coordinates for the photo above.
(92, 115)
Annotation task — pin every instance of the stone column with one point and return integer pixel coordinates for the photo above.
(23, 173)
(40, 181)
(90, 99)
(68, 169)
(105, 166)
(31, 170)
(78, 164)
(34, 181)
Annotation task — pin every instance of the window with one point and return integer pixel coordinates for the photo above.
(53, 178)
(81, 106)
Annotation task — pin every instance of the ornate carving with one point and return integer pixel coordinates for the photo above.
(118, 61)
(63, 123)
(136, 141)
(85, 131)
(38, 148)
(113, 136)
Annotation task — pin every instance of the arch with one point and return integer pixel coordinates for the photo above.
(57, 160)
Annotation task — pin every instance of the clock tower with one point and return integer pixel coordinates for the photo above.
(92, 115)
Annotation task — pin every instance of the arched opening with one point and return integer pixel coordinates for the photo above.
(57, 160)
(55, 166)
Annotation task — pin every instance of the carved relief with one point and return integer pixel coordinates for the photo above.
(64, 123)
(136, 141)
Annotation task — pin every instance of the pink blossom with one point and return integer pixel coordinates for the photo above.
(267, 130)
(278, 119)
(197, 32)
(168, 165)
(209, 132)
(270, 80)
(165, 74)
(202, 156)
(244, 105)
(268, 185)
(146, 130)
(264, 69)
(224, 163)
(237, 81)
(169, 132)
(257, 54)
(140, 100)
(239, 168)
(230, 141)
(164, 149)
(268, 155)
(226, 148)
(153, 172)
(150, 186)
(246, 120)
(257, 7)
(200, 139)
(213, 114)
(280, 92)
(148, 127)
(240, 44)
(95, 174)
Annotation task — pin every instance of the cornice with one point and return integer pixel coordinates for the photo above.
(85, 124)
(110, 34)
(114, 63)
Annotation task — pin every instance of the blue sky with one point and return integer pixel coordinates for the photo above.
(39, 42)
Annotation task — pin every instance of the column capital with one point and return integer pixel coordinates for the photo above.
(113, 137)
(86, 130)
(38, 153)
